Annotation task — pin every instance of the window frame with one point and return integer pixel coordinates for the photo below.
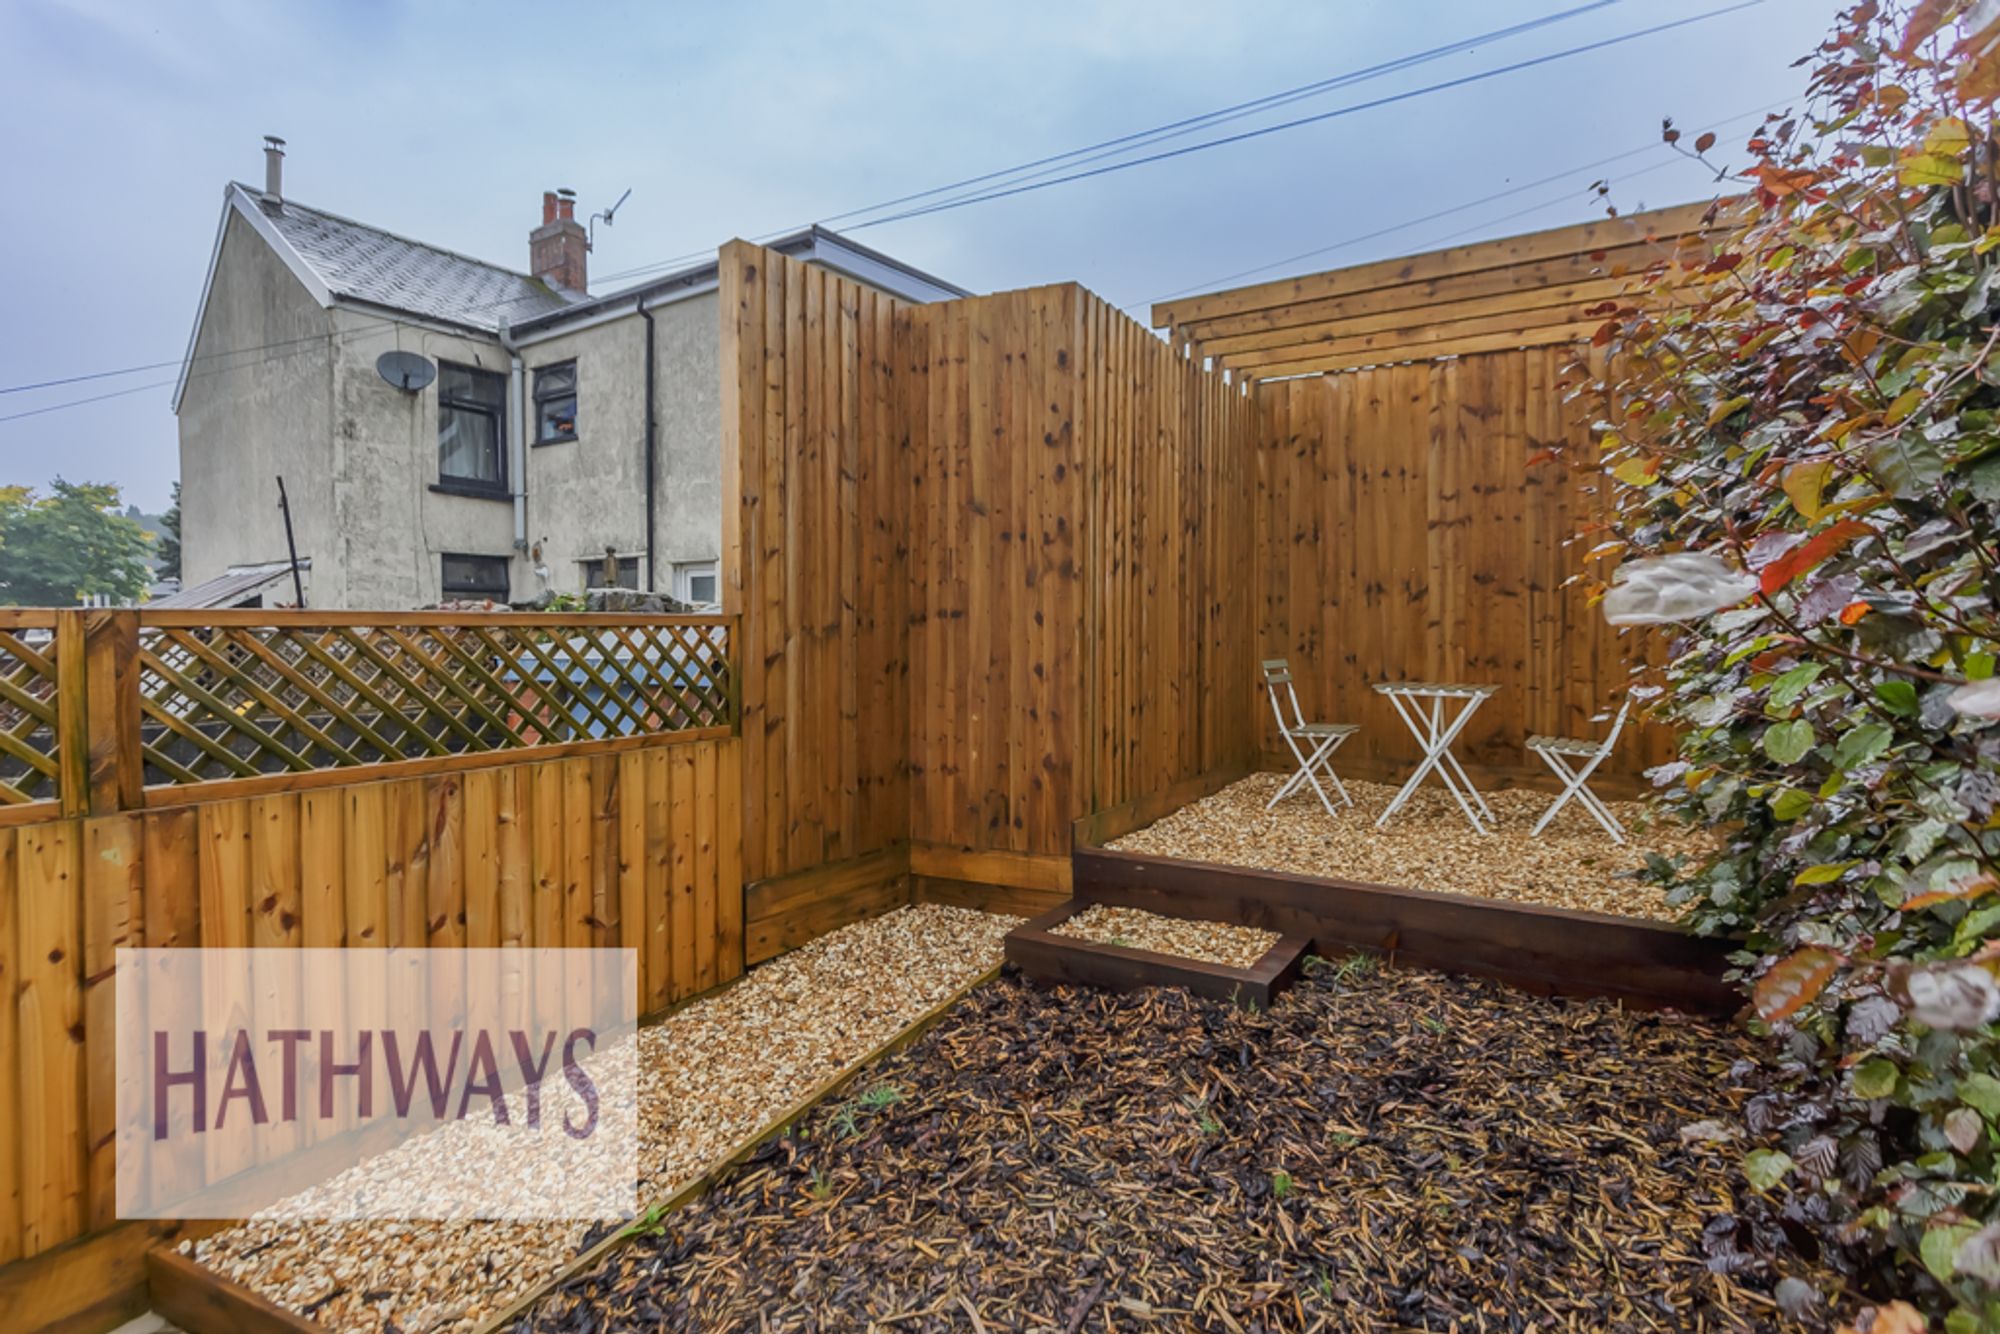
(541, 396)
(457, 483)
(591, 568)
(446, 593)
(685, 573)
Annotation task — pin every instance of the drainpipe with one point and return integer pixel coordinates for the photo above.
(652, 445)
(517, 436)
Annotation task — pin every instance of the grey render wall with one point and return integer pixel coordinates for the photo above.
(247, 416)
(588, 494)
(393, 527)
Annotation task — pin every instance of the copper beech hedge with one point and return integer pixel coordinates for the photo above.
(1802, 432)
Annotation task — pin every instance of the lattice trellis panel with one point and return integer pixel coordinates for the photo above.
(235, 701)
(28, 735)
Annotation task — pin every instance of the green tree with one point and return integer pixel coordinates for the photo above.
(167, 547)
(56, 548)
(1804, 423)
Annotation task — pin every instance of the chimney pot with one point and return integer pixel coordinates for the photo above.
(548, 207)
(274, 167)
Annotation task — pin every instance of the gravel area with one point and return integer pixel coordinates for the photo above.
(1135, 928)
(711, 1075)
(1428, 845)
(1381, 1149)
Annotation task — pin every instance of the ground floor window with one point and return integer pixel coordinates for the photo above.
(698, 581)
(475, 577)
(601, 573)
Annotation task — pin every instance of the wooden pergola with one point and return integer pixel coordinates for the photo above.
(1517, 292)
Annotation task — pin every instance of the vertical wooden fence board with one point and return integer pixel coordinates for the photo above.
(50, 1015)
(481, 858)
(11, 1111)
(657, 893)
(444, 889)
(707, 941)
(113, 878)
(682, 912)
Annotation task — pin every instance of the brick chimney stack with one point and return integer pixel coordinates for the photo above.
(559, 249)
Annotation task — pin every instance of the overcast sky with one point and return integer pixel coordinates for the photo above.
(446, 122)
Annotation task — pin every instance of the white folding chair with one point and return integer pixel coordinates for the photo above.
(1574, 760)
(1312, 744)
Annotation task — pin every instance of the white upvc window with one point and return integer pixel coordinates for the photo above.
(698, 582)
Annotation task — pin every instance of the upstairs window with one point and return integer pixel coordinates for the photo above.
(471, 413)
(470, 578)
(555, 403)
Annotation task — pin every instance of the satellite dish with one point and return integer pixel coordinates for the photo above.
(406, 370)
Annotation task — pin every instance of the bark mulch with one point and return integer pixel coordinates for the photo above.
(1383, 1149)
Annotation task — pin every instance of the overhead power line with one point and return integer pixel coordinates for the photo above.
(1189, 124)
(1217, 283)
(79, 402)
(1353, 108)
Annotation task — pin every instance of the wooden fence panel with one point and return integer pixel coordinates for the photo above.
(528, 853)
(987, 558)
(1404, 534)
(816, 447)
(1168, 449)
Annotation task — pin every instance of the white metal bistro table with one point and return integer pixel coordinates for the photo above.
(1422, 705)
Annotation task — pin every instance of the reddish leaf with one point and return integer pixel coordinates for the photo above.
(1972, 888)
(1809, 554)
(1852, 613)
(1925, 19)
(1793, 981)
(1704, 143)
(1779, 182)
(1541, 457)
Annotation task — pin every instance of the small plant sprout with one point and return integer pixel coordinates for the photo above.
(1204, 1118)
(1354, 966)
(822, 1184)
(881, 1096)
(1433, 1024)
(1281, 1184)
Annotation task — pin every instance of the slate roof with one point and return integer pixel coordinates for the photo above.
(363, 263)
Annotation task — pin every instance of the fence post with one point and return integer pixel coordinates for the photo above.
(111, 678)
(72, 715)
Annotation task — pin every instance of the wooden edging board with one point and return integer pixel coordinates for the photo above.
(204, 1302)
(196, 1298)
(1542, 949)
(1046, 957)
